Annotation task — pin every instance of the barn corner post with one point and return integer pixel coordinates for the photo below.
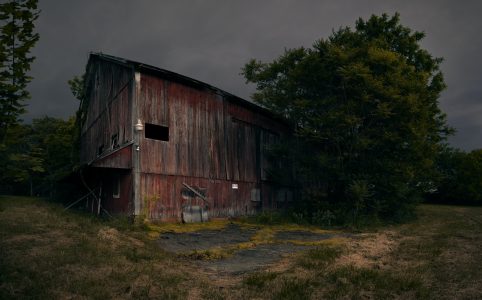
(136, 154)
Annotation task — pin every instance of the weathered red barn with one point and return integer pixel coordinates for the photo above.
(162, 145)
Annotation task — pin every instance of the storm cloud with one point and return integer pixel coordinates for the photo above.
(211, 40)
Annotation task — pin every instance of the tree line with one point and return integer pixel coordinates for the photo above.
(33, 157)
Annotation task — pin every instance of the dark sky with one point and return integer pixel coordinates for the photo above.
(211, 41)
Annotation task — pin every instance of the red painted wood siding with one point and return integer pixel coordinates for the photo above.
(118, 159)
(212, 143)
(215, 140)
(109, 108)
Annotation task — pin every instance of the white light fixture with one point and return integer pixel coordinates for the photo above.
(139, 126)
(234, 186)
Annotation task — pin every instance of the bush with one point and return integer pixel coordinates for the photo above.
(461, 178)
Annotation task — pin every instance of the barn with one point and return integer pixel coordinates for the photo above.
(167, 147)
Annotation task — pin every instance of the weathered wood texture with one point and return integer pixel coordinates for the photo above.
(209, 137)
(163, 196)
(215, 140)
(123, 203)
(213, 143)
(105, 179)
(108, 123)
(117, 159)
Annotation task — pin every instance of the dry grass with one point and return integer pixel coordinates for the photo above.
(47, 253)
(370, 250)
(436, 257)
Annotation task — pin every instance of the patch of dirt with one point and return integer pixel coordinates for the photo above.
(115, 239)
(369, 250)
(109, 234)
(194, 294)
(205, 239)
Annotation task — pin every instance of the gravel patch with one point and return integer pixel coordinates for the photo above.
(250, 260)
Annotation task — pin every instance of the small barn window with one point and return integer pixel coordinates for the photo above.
(156, 132)
(116, 187)
(255, 195)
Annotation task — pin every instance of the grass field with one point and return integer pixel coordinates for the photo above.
(47, 253)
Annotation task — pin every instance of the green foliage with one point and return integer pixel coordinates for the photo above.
(322, 218)
(77, 87)
(364, 107)
(20, 159)
(269, 217)
(461, 177)
(54, 136)
(359, 193)
(34, 157)
(17, 38)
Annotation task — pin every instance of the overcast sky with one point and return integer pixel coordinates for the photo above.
(211, 41)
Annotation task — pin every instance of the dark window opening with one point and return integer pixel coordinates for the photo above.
(116, 187)
(156, 132)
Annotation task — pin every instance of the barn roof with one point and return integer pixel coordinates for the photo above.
(163, 73)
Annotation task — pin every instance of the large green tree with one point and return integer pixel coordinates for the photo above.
(364, 108)
(17, 37)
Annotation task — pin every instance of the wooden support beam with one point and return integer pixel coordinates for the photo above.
(78, 200)
(195, 192)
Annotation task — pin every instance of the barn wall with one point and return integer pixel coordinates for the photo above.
(209, 137)
(101, 180)
(108, 123)
(213, 143)
(196, 132)
(164, 196)
(121, 205)
(120, 159)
